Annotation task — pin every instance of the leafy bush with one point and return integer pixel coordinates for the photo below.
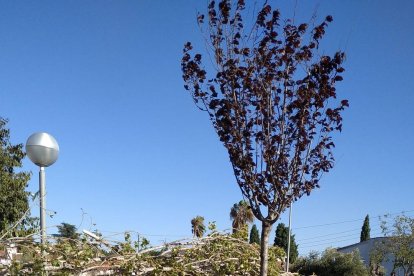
(331, 263)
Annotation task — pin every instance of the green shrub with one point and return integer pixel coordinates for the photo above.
(331, 263)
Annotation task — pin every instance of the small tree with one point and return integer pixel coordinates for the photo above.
(66, 230)
(366, 230)
(197, 226)
(254, 235)
(14, 202)
(281, 240)
(272, 102)
(399, 245)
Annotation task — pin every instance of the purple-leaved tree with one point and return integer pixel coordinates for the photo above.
(272, 102)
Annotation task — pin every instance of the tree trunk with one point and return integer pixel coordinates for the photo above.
(264, 248)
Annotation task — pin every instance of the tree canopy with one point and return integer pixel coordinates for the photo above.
(14, 199)
(197, 226)
(281, 240)
(254, 235)
(272, 100)
(366, 230)
(241, 215)
(67, 230)
(399, 245)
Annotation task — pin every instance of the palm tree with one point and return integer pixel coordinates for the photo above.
(197, 226)
(241, 214)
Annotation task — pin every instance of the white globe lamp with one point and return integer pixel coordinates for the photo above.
(43, 150)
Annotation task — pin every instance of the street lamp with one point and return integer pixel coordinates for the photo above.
(43, 150)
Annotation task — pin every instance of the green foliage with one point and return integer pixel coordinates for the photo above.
(215, 254)
(242, 233)
(331, 263)
(241, 214)
(281, 240)
(197, 226)
(276, 258)
(375, 266)
(399, 244)
(254, 235)
(230, 257)
(366, 230)
(212, 226)
(142, 243)
(67, 230)
(14, 202)
(27, 227)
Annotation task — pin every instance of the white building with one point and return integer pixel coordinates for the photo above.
(365, 248)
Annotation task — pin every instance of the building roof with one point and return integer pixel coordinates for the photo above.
(364, 242)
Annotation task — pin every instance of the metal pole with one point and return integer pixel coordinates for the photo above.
(138, 243)
(290, 233)
(42, 184)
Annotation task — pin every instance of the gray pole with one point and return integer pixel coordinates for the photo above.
(290, 232)
(42, 184)
(43, 150)
(138, 243)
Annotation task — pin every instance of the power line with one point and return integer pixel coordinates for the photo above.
(325, 243)
(333, 239)
(347, 221)
(330, 243)
(113, 233)
(337, 233)
(330, 234)
(334, 234)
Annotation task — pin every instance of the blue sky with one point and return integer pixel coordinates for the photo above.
(103, 77)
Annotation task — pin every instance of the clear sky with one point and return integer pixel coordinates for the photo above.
(103, 77)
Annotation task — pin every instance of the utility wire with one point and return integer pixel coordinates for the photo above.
(333, 239)
(328, 243)
(376, 227)
(325, 243)
(113, 233)
(330, 234)
(347, 221)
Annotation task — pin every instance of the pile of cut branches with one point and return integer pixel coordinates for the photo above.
(215, 254)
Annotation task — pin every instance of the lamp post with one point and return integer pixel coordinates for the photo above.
(43, 150)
